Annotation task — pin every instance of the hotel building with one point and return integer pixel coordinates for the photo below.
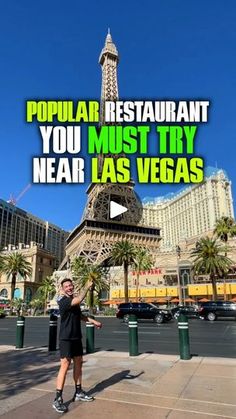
(42, 263)
(18, 226)
(191, 212)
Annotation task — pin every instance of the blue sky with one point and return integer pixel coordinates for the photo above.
(168, 50)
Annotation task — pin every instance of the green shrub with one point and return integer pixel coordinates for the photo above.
(109, 312)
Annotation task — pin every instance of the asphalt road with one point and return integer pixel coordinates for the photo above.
(206, 338)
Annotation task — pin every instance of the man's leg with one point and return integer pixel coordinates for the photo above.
(77, 370)
(58, 404)
(65, 364)
(77, 374)
(65, 354)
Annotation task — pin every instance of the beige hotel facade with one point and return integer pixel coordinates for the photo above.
(191, 212)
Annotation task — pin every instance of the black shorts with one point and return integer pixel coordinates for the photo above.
(70, 348)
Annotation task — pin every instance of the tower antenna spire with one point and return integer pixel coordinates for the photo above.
(109, 60)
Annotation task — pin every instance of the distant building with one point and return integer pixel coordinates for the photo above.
(18, 226)
(43, 264)
(191, 212)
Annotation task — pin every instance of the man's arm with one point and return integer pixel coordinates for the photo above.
(91, 320)
(77, 300)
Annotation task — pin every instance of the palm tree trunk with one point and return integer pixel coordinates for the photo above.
(13, 285)
(225, 294)
(45, 304)
(91, 300)
(225, 297)
(126, 290)
(214, 288)
(137, 286)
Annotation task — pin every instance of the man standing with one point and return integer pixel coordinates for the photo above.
(70, 342)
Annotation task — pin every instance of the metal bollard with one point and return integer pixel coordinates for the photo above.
(133, 335)
(20, 331)
(52, 341)
(89, 337)
(184, 347)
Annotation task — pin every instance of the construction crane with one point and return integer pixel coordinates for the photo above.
(13, 201)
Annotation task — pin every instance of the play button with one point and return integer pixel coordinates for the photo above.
(116, 209)
(114, 203)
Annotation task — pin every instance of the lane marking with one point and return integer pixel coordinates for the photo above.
(141, 333)
(42, 389)
(166, 408)
(148, 395)
(155, 327)
(171, 397)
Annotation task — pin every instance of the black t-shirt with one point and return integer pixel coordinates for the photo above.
(70, 319)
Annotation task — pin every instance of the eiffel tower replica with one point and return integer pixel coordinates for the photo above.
(94, 237)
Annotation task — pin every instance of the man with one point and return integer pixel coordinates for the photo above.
(70, 342)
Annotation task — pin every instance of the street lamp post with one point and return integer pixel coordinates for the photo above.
(178, 252)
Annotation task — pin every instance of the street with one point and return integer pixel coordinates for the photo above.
(215, 339)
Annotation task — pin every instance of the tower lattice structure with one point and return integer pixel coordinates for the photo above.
(94, 237)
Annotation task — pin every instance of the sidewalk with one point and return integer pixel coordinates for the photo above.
(148, 386)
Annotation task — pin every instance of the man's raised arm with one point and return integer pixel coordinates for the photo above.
(82, 294)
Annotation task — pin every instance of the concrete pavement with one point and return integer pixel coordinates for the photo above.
(147, 386)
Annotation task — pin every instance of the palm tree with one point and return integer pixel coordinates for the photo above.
(1, 262)
(14, 264)
(210, 260)
(225, 227)
(17, 304)
(142, 262)
(83, 272)
(36, 304)
(123, 253)
(46, 290)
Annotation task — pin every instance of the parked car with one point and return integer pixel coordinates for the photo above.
(2, 314)
(188, 311)
(85, 312)
(54, 311)
(7, 311)
(211, 310)
(143, 311)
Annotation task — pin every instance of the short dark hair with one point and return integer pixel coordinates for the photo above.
(65, 280)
